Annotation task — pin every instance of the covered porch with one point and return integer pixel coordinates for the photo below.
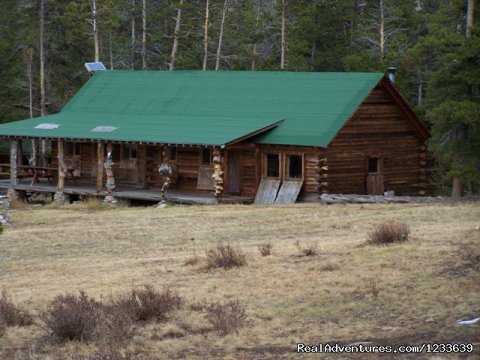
(88, 189)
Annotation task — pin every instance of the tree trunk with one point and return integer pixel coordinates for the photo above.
(28, 57)
(382, 30)
(470, 17)
(111, 50)
(175, 37)
(144, 35)
(457, 187)
(41, 14)
(41, 51)
(220, 36)
(132, 49)
(313, 55)
(283, 39)
(205, 37)
(95, 31)
(254, 48)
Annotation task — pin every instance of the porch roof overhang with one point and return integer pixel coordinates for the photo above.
(163, 129)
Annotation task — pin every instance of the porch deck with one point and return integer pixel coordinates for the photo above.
(122, 192)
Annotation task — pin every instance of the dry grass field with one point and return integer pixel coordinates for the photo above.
(401, 294)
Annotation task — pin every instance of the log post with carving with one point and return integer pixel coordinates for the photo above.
(59, 196)
(12, 194)
(165, 171)
(100, 161)
(13, 162)
(218, 174)
(110, 185)
(322, 175)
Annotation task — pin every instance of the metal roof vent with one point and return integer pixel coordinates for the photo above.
(47, 126)
(104, 129)
(95, 66)
(391, 74)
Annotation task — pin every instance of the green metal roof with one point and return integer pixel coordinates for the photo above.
(209, 108)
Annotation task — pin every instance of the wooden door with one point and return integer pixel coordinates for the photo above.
(234, 178)
(375, 184)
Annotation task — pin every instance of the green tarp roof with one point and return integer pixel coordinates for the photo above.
(208, 108)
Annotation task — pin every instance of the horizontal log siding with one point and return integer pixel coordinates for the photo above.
(248, 172)
(378, 128)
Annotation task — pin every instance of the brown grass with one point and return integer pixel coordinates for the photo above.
(424, 285)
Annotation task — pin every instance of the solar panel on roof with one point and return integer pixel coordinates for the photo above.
(95, 66)
(47, 126)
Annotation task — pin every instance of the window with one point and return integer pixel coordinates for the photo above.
(206, 156)
(294, 166)
(129, 151)
(373, 165)
(273, 165)
(172, 153)
(73, 149)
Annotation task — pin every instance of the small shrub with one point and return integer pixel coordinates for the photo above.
(116, 326)
(389, 232)
(226, 318)
(374, 289)
(225, 256)
(71, 317)
(3, 327)
(330, 267)
(191, 261)
(310, 249)
(265, 249)
(147, 303)
(11, 314)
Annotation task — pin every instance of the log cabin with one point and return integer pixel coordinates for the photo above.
(272, 136)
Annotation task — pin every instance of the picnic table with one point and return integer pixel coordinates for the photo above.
(39, 172)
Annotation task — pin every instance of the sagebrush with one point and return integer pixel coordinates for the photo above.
(225, 256)
(147, 303)
(309, 249)
(389, 232)
(227, 317)
(11, 314)
(71, 317)
(265, 249)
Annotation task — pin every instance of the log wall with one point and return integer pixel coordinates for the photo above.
(380, 129)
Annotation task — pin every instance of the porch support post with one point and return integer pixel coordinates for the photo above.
(61, 166)
(59, 197)
(322, 175)
(13, 162)
(100, 162)
(110, 185)
(218, 173)
(33, 153)
(13, 195)
(166, 171)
